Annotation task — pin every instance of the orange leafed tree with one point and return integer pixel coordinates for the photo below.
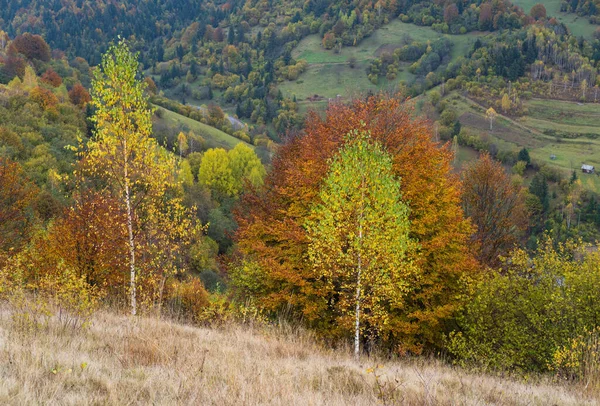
(16, 196)
(271, 220)
(79, 96)
(496, 207)
(79, 239)
(52, 78)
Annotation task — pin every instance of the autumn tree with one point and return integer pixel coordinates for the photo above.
(182, 142)
(51, 77)
(31, 46)
(450, 13)
(225, 172)
(538, 11)
(89, 238)
(358, 233)
(506, 103)
(496, 207)
(271, 219)
(122, 151)
(16, 197)
(79, 96)
(491, 115)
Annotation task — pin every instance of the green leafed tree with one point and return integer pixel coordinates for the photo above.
(225, 173)
(215, 173)
(358, 236)
(122, 151)
(246, 166)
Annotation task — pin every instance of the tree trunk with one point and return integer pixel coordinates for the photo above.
(132, 286)
(358, 285)
(132, 283)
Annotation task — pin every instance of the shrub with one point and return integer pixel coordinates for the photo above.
(579, 359)
(73, 299)
(188, 299)
(521, 314)
(33, 300)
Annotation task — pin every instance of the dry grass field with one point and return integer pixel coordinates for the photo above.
(123, 361)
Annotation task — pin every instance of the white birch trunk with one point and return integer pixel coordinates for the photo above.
(358, 286)
(132, 284)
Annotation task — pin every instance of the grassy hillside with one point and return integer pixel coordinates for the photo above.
(329, 73)
(569, 131)
(121, 360)
(579, 26)
(214, 138)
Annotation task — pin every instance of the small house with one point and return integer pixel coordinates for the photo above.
(587, 168)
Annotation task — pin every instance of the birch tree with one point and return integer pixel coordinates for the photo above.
(359, 236)
(491, 115)
(121, 152)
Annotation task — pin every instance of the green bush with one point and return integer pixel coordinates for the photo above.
(521, 315)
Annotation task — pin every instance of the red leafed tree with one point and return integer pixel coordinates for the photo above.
(538, 11)
(79, 96)
(271, 220)
(90, 237)
(16, 195)
(450, 13)
(52, 78)
(32, 46)
(496, 206)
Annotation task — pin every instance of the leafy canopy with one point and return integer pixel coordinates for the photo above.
(358, 233)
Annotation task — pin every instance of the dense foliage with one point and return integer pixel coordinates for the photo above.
(272, 220)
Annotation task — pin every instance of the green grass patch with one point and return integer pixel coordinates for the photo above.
(531, 132)
(579, 26)
(564, 112)
(329, 73)
(214, 138)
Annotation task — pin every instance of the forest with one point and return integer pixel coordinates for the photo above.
(165, 171)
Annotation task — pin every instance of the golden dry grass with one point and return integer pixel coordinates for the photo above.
(122, 361)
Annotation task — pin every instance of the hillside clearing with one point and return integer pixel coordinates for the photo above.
(326, 66)
(565, 130)
(121, 360)
(580, 26)
(214, 138)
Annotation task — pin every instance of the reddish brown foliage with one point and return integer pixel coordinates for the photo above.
(496, 207)
(538, 11)
(79, 96)
(271, 220)
(14, 66)
(44, 97)
(51, 78)
(32, 47)
(90, 238)
(16, 195)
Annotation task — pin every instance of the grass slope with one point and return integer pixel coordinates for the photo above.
(570, 131)
(214, 138)
(122, 360)
(580, 26)
(328, 73)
